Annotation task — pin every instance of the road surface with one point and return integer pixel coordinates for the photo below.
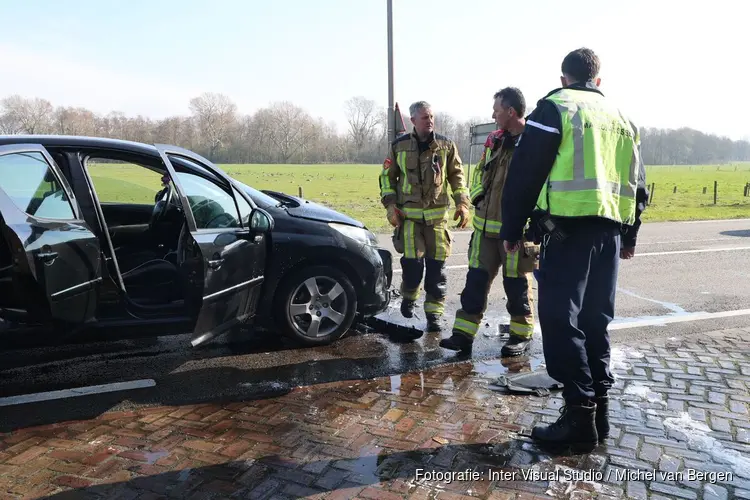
(686, 277)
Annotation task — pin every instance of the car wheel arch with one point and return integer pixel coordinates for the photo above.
(337, 263)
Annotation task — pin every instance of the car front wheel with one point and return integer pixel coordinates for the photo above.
(316, 305)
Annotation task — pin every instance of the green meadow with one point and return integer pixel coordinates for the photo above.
(353, 189)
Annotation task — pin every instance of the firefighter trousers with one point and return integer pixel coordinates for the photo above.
(486, 257)
(425, 249)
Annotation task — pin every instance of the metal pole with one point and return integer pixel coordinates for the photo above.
(471, 156)
(391, 119)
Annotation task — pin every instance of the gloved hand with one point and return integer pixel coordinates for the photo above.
(394, 215)
(462, 212)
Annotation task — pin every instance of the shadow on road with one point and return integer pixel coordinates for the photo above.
(259, 478)
(742, 233)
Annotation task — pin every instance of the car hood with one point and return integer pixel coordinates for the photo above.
(305, 209)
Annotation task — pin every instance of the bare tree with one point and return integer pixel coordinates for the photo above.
(445, 124)
(292, 126)
(215, 115)
(9, 125)
(74, 121)
(364, 118)
(32, 116)
(286, 133)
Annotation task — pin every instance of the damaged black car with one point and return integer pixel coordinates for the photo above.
(117, 237)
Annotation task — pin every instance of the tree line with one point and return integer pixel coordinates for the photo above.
(284, 132)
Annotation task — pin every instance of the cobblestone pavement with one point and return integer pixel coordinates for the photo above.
(679, 415)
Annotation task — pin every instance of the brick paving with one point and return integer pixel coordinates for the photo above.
(680, 421)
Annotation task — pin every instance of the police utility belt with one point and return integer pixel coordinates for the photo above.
(544, 228)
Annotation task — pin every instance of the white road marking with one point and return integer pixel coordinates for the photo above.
(676, 318)
(702, 250)
(644, 254)
(712, 220)
(78, 391)
(640, 243)
(460, 266)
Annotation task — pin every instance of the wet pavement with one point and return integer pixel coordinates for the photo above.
(679, 416)
(235, 368)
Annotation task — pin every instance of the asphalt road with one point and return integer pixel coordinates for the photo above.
(685, 278)
(681, 269)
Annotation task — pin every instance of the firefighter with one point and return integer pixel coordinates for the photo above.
(414, 190)
(579, 163)
(486, 253)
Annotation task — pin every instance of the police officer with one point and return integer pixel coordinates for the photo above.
(579, 162)
(486, 252)
(414, 189)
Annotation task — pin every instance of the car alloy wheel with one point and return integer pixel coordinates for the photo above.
(318, 306)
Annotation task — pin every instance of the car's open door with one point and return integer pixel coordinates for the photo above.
(222, 258)
(48, 237)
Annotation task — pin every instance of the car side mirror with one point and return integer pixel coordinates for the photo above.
(261, 221)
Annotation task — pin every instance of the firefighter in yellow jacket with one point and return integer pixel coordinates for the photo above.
(486, 252)
(414, 190)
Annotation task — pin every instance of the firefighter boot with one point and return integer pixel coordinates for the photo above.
(602, 417)
(458, 342)
(575, 429)
(515, 346)
(433, 322)
(407, 308)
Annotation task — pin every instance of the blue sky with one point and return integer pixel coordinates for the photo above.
(667, 63)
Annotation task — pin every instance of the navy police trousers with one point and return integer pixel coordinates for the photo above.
(577, 280)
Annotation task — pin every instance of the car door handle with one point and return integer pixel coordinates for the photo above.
(46, 256)
(215, 264)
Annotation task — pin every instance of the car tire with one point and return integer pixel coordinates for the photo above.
(333, 317)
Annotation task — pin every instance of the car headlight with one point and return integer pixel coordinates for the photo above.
(358, 234)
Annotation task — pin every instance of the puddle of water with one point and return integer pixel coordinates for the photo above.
(396, 384)
(268, 386)
(494, 368)
(697, 436)
(153, 456)
(183, 475)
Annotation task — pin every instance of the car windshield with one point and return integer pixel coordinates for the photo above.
(262, 199)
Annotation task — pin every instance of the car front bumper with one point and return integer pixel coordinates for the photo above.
(377, 297)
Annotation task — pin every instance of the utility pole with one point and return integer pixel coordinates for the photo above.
(391, 119)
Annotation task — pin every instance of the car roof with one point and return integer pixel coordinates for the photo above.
(76, 141)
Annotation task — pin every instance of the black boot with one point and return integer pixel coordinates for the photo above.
(407, 308)
(457, 342)
(433, 322)
(515, 346)
(602, 417)
(575, 429)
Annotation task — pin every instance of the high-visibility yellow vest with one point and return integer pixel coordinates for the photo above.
(595, 172)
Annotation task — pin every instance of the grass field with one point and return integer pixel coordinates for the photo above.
(353, 189)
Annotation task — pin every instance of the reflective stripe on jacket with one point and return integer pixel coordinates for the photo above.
(488, 181)
(417, 182)
(595, 171)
